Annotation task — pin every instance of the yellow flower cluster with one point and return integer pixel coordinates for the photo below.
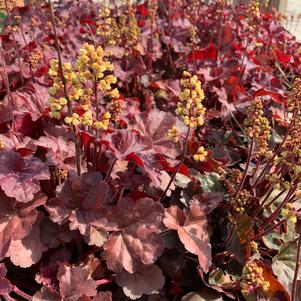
(92, 65)
(190, 106)
(75, 88)
(107, 28)
(173, 134)
(10, 4)
(254, 246)
(240, 200)
(90, 69)
(121, 30)
(115, 108)
(231, 177)
(252, 279)
(289, 212)
(35, 57)
(193, 36)
(2, 146)
(275, 181)
(294, 97)
(153, 8)
(290, 155)
(73, 120)
(104, 123)
(200, 155)
(258, 127)
(60, 175)
(129, 25)
(254, 9)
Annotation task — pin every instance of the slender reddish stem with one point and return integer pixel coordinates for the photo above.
(76, 143)
(22, 294)
(14, 42)
(295, 280)
(277, 150)
(277, 211)
(260, 234)
(178, 167)
(246, 168)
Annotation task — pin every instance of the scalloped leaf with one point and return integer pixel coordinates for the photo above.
(136, 284)
(137, 239)
(192, 230)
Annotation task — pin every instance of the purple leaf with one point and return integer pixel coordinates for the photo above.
(137, 239)
(147, 280)
(19, 177)
(192, 230)
(16, 219)
(74, 283)
(81, 201)
(27, 251)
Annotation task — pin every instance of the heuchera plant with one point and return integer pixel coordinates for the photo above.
(149, 151)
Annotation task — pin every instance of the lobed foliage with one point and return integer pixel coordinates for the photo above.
(149, 151)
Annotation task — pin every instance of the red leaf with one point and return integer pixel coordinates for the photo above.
(88, 21)
(283, 58)
(192, 231)
(134, 158)
(19, 177)
(227, 35)
(75, 283)
(137, 239)
(136, 284)
(81, 202)
(208, 53)
(27, 251)
(184, 170)
(278, 98)
(142, 10)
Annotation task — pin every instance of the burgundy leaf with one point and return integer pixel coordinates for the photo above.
(46, 294)
(19, 177)
(103, 296)
(60, 151)
(5, 286)
(81, 201)
(49, 268)
(30, 99)
(137, 239)
(192, 230)
(16, 219)
(132, 146)
(27, 251)
(147, 280)
(74, 283)
(124, 143)
(52, 234)
(155, 125)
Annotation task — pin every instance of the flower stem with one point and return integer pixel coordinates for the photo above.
(22, 294)
(277, 211)
(110, 170)
(14, 41)
(178, 167)
(264, 170)
(260, 234)
(295, 280)
(76, 143)
(246, 168)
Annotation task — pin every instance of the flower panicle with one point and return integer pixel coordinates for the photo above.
(190, 105)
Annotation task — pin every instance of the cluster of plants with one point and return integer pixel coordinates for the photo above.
(149, 151)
